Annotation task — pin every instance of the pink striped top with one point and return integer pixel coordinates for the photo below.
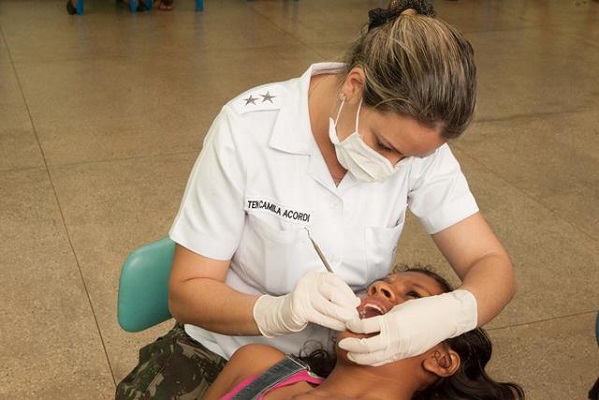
(300, 376)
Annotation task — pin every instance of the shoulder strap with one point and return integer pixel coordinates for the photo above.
(279, 372)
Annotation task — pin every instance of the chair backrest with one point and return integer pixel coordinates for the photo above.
(143, 286)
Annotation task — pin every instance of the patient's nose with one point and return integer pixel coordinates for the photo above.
(382, 289)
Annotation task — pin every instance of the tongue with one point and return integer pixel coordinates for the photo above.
(369, 313)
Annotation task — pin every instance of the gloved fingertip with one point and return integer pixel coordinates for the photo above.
(354, 325)
(338, 327)
(349, 315)
(349, 299)
(353, 345)
(343, 344)
(331, 324)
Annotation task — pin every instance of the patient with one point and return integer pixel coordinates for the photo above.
(454, 369)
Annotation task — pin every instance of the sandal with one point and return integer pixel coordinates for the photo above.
(166, 5)
(71, 9)
(141, 6)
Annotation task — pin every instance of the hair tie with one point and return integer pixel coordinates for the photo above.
(380, 16)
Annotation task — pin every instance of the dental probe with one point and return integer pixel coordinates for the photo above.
(320, 254)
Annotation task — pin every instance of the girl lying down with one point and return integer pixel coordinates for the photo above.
(453, 369)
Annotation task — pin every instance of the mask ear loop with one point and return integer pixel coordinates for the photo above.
(358, 116)
(339, 111)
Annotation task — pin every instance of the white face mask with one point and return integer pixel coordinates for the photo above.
(357, 157)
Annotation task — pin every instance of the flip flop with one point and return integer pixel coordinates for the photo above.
(71, 9)
(141, 6)
(166, 5)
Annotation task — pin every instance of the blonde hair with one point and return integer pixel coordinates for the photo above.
(420, 67)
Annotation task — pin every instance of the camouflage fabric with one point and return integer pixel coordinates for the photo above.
(173, 367)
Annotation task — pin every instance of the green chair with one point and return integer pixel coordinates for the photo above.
(143, 286)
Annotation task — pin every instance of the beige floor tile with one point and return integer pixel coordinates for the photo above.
(484, 16)
(554, 359)
(5, 60)
(115, 32)
(92, 97)
(9, 84)
(557, 13)
(549, 158)
(527, 71)
(318, 22)
(19, 147)
(504, 15)
(330, 51)
(18, 143)
(111, 209)
(79, 141)
(51, 345)
(587, 28)
(102, 112)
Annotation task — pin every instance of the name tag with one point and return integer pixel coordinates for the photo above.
(288, 213)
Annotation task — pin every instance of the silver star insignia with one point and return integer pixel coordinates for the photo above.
(267, 97)
(250, 99)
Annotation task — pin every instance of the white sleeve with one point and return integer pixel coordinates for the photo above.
(211, 216)
(440, 196)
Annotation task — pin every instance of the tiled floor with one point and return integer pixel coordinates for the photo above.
(102, 115)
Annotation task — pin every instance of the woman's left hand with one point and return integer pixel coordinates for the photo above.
(411, 328)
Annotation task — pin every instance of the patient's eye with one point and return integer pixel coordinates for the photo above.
(414, 294)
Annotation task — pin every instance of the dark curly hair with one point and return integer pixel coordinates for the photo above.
(470, 381)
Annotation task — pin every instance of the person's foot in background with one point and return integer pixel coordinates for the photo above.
(165, 5)
(141, 4)
(72, 7)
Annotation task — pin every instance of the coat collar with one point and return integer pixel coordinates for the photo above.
(292, 132)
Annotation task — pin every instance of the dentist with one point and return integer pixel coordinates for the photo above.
(339, 155)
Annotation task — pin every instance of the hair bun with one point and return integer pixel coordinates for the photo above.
(380, 16)
(424, 7)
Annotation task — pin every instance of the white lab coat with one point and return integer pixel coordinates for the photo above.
(260, 180)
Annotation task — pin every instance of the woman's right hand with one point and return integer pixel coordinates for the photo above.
(318, 297)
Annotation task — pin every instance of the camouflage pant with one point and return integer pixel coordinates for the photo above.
(173, 367)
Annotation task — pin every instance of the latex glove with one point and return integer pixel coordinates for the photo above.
(411, 328)
(318, 297)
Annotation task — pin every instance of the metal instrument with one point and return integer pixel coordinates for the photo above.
(320, 254)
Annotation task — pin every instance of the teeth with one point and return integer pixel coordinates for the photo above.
(369, 310)
(375, 308)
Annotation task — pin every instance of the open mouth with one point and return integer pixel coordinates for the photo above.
(371, 307)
